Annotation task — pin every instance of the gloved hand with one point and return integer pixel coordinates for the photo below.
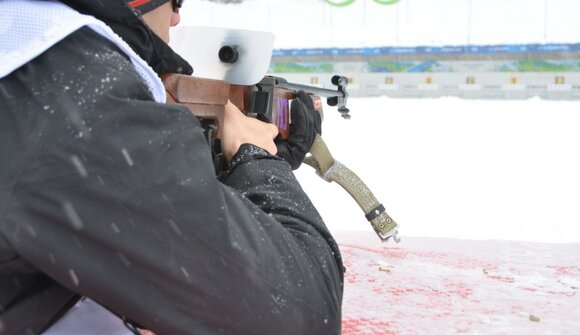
(305, 124)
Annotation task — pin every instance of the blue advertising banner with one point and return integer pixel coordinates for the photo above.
(424, 50)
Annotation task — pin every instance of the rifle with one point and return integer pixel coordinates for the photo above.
(269, 100)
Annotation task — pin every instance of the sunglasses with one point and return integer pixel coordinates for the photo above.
(176, 4)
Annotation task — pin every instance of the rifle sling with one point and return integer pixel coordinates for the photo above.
(331, 170)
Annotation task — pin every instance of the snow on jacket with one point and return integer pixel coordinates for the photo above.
(106, 193)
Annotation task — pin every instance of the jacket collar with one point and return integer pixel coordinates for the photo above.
(127, 23)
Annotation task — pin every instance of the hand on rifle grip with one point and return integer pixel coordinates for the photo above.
(236, 129)
(306, 122)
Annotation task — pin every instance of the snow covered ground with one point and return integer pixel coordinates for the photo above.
(442, 286)
(487, 195)
(468, 169)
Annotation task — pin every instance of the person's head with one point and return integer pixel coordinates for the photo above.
(159, 15)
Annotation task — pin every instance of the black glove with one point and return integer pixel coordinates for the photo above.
(305, 124)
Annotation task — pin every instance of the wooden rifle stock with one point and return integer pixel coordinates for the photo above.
(205, 98)
(268, 100)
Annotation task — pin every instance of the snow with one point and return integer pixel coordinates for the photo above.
(486, 194)
(449, 286)
(454, 168)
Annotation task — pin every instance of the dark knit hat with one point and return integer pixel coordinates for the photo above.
(145, 6)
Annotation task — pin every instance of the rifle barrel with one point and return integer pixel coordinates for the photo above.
(323, 92)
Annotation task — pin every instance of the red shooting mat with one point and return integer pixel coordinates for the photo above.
(450, 286)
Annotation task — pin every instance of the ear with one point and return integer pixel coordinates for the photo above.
(175, 18)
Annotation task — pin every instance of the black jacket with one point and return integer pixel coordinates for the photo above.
(107, 194)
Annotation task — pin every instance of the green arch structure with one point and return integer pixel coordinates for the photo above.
(339, 3)
(386, 2)
(344, 3)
